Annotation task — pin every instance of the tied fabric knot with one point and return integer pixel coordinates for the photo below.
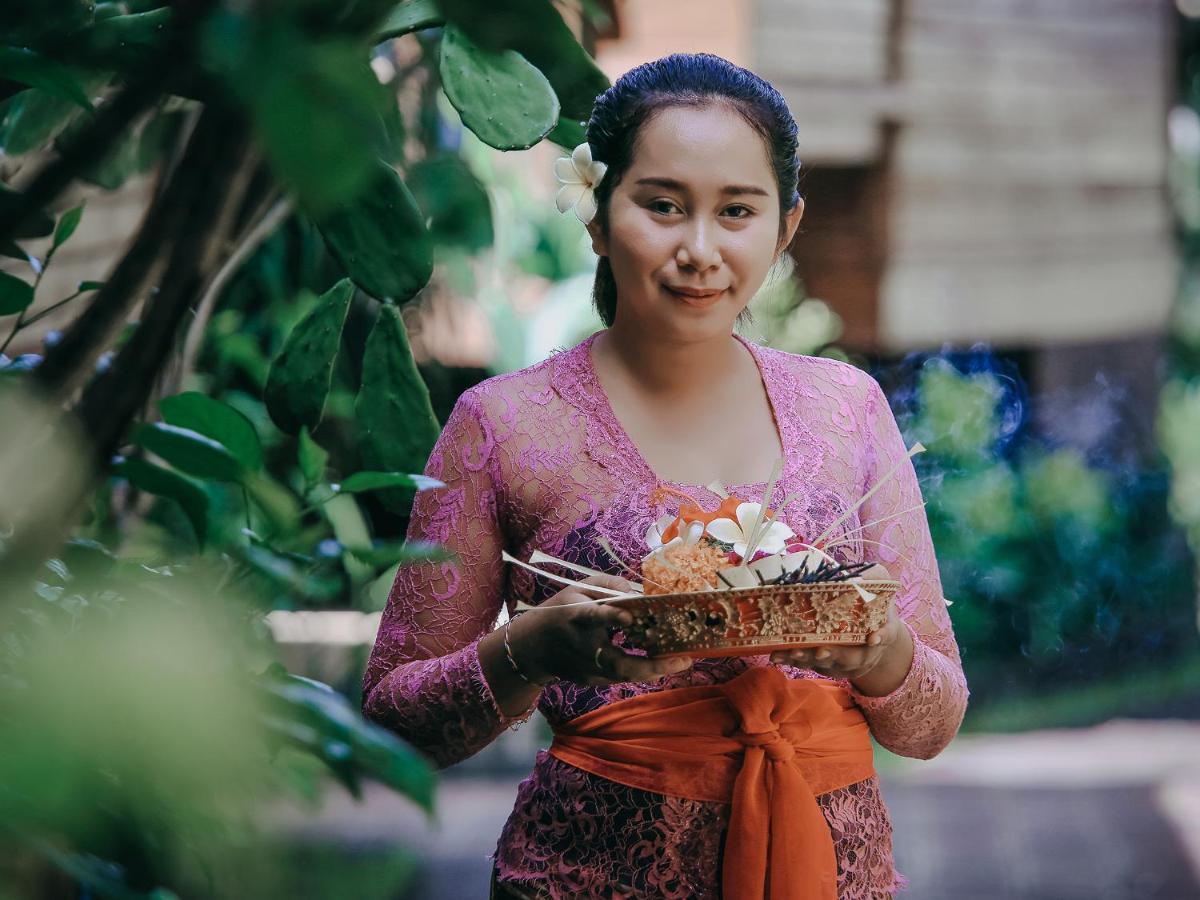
(764, 743)
(772, 743)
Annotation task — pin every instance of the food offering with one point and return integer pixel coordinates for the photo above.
(736, 580)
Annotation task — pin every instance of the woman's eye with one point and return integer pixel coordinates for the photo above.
(746, 211)
(657, 205)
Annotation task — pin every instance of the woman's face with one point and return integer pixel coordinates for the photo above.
(693, 227)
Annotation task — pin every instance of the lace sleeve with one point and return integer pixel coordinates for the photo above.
(423, 679)
(921, 716)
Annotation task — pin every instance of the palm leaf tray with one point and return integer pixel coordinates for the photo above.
(782, 593)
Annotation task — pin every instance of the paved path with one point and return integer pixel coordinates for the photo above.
(1104, 813)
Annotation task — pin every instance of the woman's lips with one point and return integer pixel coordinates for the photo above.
(693, 298)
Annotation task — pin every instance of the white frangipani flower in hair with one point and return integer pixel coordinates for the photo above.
(727, 531)
(579, 174)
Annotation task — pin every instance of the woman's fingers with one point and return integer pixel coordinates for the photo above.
(617, 665)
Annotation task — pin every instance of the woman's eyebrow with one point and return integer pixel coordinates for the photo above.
(731, 189)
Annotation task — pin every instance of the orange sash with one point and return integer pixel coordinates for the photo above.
(762, 742)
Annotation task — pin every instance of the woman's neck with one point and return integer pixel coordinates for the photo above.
(668, 369)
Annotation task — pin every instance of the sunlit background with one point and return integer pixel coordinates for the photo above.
(1002, 225)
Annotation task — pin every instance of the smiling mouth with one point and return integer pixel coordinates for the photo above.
(694, 296)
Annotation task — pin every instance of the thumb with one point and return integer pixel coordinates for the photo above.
(614, 582)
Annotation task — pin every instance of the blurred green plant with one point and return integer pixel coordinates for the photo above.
(1059, 570)
(231, 420)
(1179, 407)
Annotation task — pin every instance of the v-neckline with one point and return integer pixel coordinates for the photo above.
(631, 450)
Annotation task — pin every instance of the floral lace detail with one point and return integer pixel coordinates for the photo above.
(537, 459)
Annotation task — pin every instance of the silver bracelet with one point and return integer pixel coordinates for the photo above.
(512, 661)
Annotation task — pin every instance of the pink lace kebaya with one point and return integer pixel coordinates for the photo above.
(536, 459)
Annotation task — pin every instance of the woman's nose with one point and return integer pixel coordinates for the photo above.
(698, 247)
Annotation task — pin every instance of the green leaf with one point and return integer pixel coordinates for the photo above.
(398, 424)
(276, 502)
(286, 574)
(28, 67)
(390, 553)
(38, 225)
(33, 118)
(15, 294)
(13, 251)
(313, 717)
(189, 451)
(380, 238)
(85, 286)
(120, 43)
(216, 420)
(502, 97)
(455, 201)
(300, 376)
(568, 133)
(536, 30)
(289, 82)
(161, 482)
(350, 528)
(67, 223)
(312, 458)
(373, 481)
(410, 16)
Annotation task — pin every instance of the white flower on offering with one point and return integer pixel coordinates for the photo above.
(774, 539)
(579, 174)
(688, 536)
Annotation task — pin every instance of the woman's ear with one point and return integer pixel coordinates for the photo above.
(599, 242)
(792, 222)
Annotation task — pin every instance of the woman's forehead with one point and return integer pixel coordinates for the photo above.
(705, 147)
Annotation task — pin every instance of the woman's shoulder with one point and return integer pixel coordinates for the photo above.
(825, 374)
(521, 391)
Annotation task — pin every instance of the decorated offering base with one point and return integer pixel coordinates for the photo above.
(736, 581)
(748, 621)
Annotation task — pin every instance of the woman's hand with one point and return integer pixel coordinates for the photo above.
(854, 662)
(557, 640)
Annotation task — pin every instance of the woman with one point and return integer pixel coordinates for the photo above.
(584, 451)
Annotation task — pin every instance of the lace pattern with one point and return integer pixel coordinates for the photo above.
(537, 459)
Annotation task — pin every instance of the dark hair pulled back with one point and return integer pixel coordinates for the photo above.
(690, 80)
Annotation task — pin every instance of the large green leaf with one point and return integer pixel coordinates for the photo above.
(38, 22)
(301, 374)
(189, 451)
(412, 15)
(120, 43)
(316, 105)
(32, 119)
(162, 482)
(398, 424)
(501, 96)
(30, 68)
(15, 294)
(380, 238)
(312, 716)
(455, 201)
(219, 421)
(534, 29)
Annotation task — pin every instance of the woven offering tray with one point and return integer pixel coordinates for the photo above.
(738, 581)
(755, 620)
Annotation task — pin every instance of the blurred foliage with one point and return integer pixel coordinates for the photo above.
(1060, 568)
(246, 438)
(1179, 409)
